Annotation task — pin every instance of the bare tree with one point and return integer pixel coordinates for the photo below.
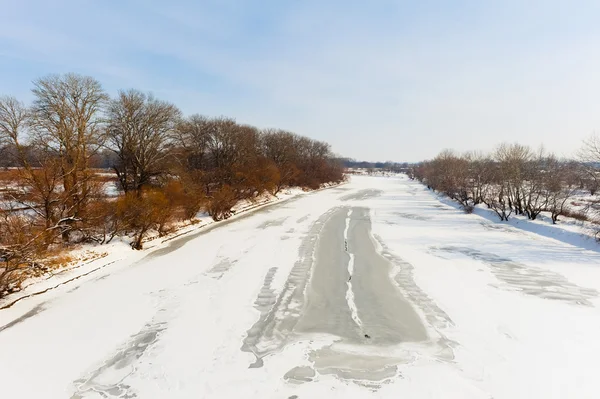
(498, 201)
(39, 176)
(13, 119)
(557, 173)
(480, 170)
(589, 156)
(534, 193)
(192, 136)
(279, 146)
(590, 150)
(66, 121)
(140, 130)
(512, 162)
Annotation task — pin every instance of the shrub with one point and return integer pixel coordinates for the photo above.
(219, 206)
(142, 211)
(21, 243)
(468, 208)
(102, 221)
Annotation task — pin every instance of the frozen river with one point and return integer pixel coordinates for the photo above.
(375, 288)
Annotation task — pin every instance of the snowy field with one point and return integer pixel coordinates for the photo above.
(375, 288)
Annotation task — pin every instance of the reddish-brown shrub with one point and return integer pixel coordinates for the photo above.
(143, 211)
(21, 244)
(102, 223)
(223, 199)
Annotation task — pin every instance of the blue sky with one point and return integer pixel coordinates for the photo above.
(379, 80)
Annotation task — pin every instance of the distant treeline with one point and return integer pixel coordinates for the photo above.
(391, 166)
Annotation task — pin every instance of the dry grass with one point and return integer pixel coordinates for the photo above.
(582, 217)
(60, 260)
(9, 174)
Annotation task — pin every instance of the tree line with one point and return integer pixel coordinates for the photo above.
(168, 167)
(388, 166)
(514, 179)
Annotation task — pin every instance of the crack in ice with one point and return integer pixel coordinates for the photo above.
(349, 292)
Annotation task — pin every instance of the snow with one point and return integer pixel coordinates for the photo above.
(511, 309)
(510, 344)
(118, 252)
(111, 189)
